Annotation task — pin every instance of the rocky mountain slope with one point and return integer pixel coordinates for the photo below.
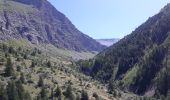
(139, 62)
(28, 72)
(38, 49)
(107, 42)
(39, 22)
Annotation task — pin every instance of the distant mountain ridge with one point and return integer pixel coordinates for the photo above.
(39, 22)
(107, 42)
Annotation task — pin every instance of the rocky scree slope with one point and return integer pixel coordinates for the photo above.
(39, 22)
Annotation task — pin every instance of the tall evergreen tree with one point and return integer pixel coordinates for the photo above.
(43, 94)
(84, 95)
(11, 50)
(38, 97)
(20, 90)
(3, 93)
(52, 94)
(22, 78)
(12, 91)
(41, 82)
(157, 94)
(4, 47)
(110, 87)
(27, 96)
(69, 93)
(78, 97)
(168, 96)
(9, 71)
(49, 64)
(58, 92)
(33, 64)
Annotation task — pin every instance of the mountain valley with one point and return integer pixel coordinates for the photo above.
(43, 56)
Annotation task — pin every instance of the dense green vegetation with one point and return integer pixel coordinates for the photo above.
(139, 62)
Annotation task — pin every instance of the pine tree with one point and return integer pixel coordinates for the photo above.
(43, 94)
(27, 96)
(40, 82)
(52, 94)
(111, 87)
(4, 47)
(33, 53)
(84, 95)
(114, 93)
(69, 93)
(9, 71)
(33, 64)
(58, 92)
(60, 98)
(20, 90)
(12, 91)
(22, 78)
(157, 94)
(11, 50)
(25, 56)
(38, 97)
(49, 64)
(18, 68)
(168, 96)
(3, 93)
(78, 97)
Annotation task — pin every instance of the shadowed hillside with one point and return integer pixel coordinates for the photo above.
(140, 61)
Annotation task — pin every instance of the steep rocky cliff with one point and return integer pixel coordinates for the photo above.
(39, 22)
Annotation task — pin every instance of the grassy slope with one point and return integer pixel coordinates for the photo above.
(62, 73)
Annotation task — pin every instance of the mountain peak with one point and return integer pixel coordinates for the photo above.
(42, 23)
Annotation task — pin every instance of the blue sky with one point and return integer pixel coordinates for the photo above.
(108, 18)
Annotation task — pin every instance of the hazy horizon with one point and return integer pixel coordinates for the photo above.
(108, 19)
